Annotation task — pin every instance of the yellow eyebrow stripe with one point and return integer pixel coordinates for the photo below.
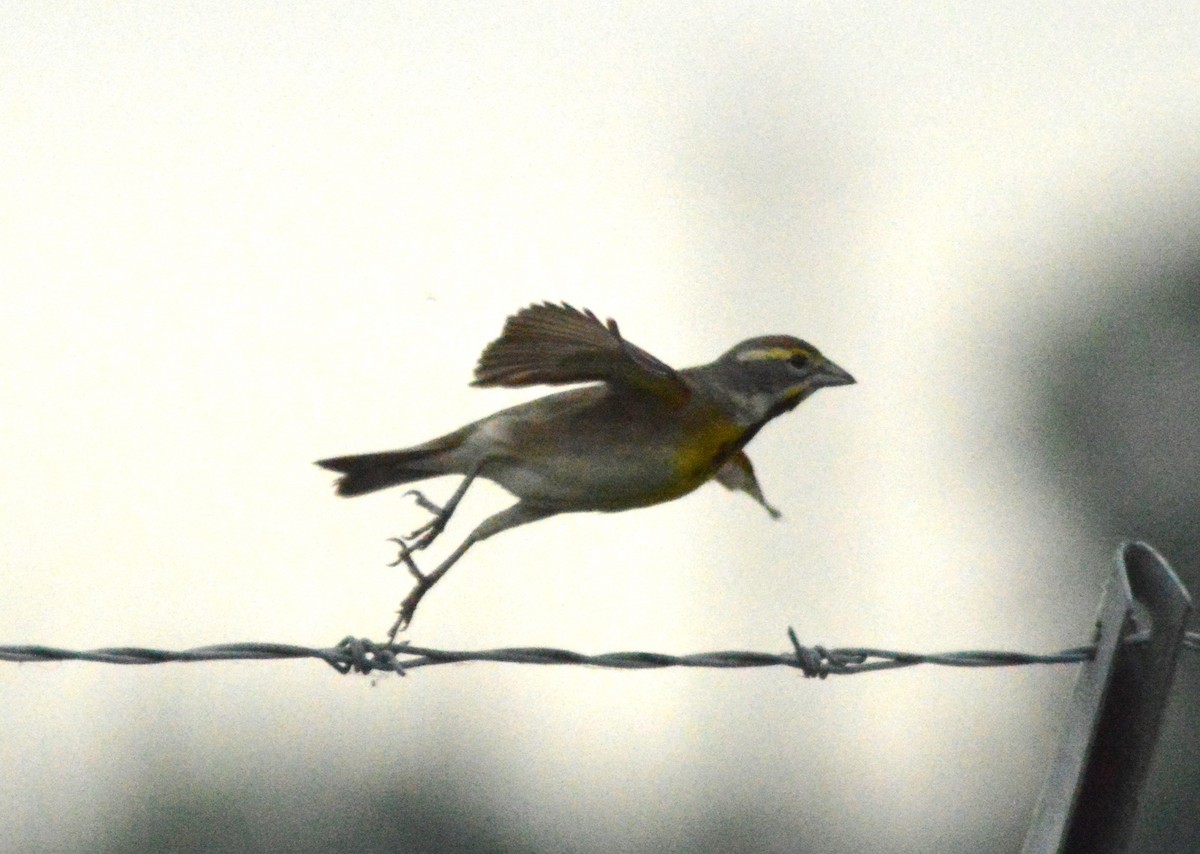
(782, 353)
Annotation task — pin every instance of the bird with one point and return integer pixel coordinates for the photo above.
(639, 433)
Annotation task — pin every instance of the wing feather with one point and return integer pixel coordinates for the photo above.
(548, 344)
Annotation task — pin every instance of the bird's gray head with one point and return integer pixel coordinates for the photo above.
(770, 375)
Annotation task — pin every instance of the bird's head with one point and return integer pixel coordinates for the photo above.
(767, 376)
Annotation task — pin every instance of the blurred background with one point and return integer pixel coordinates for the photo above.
(238, 238)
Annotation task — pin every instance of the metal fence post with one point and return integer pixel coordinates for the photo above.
(1089, 803)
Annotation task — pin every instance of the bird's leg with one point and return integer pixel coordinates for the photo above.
(424, 582)
(518, 514)
(427, 533)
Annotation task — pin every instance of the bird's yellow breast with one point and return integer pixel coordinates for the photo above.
(701, 452)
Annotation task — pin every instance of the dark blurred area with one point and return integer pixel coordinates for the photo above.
(434, 815)
(1122, 421)
(1124, 416)
(430, 815)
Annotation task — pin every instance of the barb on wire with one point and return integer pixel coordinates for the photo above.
(358, 655)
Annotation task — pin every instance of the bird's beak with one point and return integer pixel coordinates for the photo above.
(829, 374)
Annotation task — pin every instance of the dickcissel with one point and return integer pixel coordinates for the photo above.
(644, 433)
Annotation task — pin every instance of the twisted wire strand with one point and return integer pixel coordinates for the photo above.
(359, 655)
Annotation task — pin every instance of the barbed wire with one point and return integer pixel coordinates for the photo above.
(359, 655)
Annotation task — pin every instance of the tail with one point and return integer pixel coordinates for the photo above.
(363, 473)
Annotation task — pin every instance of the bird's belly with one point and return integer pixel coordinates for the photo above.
(619, 478)
(610, 483)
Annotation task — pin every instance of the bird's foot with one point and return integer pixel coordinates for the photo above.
(423, 536)
(420, 539)
(408, 607)
(417, 540)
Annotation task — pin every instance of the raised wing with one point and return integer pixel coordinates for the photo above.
(548, 344)
(738, 474)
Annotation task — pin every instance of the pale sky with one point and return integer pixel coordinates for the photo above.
(241, 237)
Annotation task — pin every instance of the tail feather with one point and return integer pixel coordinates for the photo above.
(363, 473)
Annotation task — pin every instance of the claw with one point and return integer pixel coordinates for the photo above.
(424, 503)
(405, 551)
(427, 533)
(421, 531)
(405, 557)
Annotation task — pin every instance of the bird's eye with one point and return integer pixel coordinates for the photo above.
(799, 361)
